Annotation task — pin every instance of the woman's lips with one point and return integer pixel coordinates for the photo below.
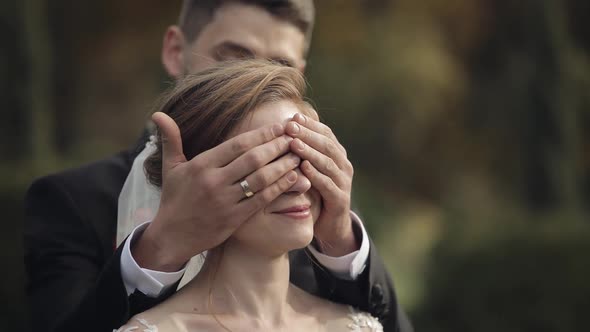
(296, 212)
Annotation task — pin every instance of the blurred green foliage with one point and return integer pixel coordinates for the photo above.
(525, 278)
(468, 122)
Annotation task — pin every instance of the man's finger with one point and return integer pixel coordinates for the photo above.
(172, 153)
(320, 161)
(319, 142)
(226, 152)
(324, 184)
(316, 126)
(267, 175)
(261, 199)
(256, 158)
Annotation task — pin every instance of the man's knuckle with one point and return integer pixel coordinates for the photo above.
(282, 186)
(349, 167)
(280, 145)
(310, 174)
(208, 183)
(330, 147)
(255, 159)
(344, 152)
(329, 166)
(277, 146)
(239, 146)
(273, 173)
(261, 179)
(265, 197)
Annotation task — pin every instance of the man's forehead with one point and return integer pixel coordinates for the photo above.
(256, 29)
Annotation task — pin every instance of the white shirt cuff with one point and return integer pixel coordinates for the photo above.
(149, 282)
(349, 266)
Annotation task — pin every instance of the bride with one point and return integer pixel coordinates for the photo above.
(243, 284)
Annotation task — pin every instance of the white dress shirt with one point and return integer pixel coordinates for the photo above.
(153, 283)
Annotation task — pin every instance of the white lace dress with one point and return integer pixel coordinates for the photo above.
(362, 321)
(359, 322)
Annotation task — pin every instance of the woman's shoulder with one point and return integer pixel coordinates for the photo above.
(171, 322)
(363, 321)
(337, 317)
(333, 318)
(346, 318)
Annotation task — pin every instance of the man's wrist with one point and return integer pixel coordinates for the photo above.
(347, 267)
(149, 251)
(149, 282)
(340, 243)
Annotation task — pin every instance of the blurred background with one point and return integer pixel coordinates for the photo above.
(468, 122)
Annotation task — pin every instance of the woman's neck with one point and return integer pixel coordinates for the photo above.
(242, 281)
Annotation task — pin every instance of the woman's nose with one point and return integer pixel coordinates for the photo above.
(302, 184)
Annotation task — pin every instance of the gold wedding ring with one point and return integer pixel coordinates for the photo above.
(246, 188)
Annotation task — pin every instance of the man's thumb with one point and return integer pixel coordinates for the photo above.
(172, 153)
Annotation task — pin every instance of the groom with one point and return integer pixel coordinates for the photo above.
(77, 281)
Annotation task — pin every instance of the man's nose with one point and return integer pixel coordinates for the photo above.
(302, 184)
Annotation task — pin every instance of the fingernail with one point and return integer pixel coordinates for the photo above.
(300, 118)
(296, 160)
(306, 166)
(277, 130)
(299, 145)
(294, 128)
(292, 176)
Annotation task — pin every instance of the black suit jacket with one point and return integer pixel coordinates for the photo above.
(74, 279)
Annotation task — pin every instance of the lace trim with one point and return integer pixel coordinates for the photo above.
(363, 320)
(147, 327)
(359, 319)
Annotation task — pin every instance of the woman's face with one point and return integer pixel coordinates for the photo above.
(287, 222)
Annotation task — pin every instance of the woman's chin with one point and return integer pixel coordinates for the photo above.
(293, 231)
(296, 240)
(293, 240)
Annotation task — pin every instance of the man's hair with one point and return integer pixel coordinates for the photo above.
(196, 14)
(206, 106)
